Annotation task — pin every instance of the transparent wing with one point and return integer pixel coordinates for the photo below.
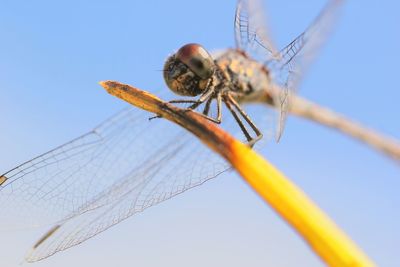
(122, 167)
(163, 173)
(294, 59)
(59, 183)
(251, 33)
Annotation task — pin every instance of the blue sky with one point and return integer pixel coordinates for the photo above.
(52, 54)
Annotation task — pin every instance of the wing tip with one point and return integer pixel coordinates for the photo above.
(31, 256)
(46, 236)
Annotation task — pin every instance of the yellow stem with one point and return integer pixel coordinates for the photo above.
(324, 237)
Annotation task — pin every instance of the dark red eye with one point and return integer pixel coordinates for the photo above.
(197, 59)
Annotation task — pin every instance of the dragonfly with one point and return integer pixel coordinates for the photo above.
(127, 164)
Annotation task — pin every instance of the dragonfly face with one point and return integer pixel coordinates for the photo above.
(189, 71)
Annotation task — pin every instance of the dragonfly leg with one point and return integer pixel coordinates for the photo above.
(206, 109)
(239, 121)
(207, 96)
(219, 109)
(251, 141)
(195, 104)
(204, 97)
(183, 101)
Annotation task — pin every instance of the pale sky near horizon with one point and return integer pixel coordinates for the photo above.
(53, 54)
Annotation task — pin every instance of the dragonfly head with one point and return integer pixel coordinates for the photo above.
(188, 72)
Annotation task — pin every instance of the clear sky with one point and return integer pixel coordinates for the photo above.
(52, 54)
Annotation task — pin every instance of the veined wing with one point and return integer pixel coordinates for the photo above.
(252, 37)
(294, 59)
(61, 182)
(119, 169)
(251, 33)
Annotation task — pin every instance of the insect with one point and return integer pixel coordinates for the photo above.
(126, 164)
(251, 72)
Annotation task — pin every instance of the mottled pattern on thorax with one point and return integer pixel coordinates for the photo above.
(244, 74)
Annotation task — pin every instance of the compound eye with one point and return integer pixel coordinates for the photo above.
(197, 59)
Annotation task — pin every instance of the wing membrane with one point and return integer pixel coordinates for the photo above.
(59, 183)
(289, 64)
(160, 177)
(251, 33)
(295, 58)
(122, 167)
(41, 190)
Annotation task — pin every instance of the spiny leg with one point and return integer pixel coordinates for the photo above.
(195, 103)
(219, 109)
(247, 118)
(239, 121)
(244, 114)
(182, 101)
(179, 101)
(206, 109)
(207, 96)
(175, 102)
